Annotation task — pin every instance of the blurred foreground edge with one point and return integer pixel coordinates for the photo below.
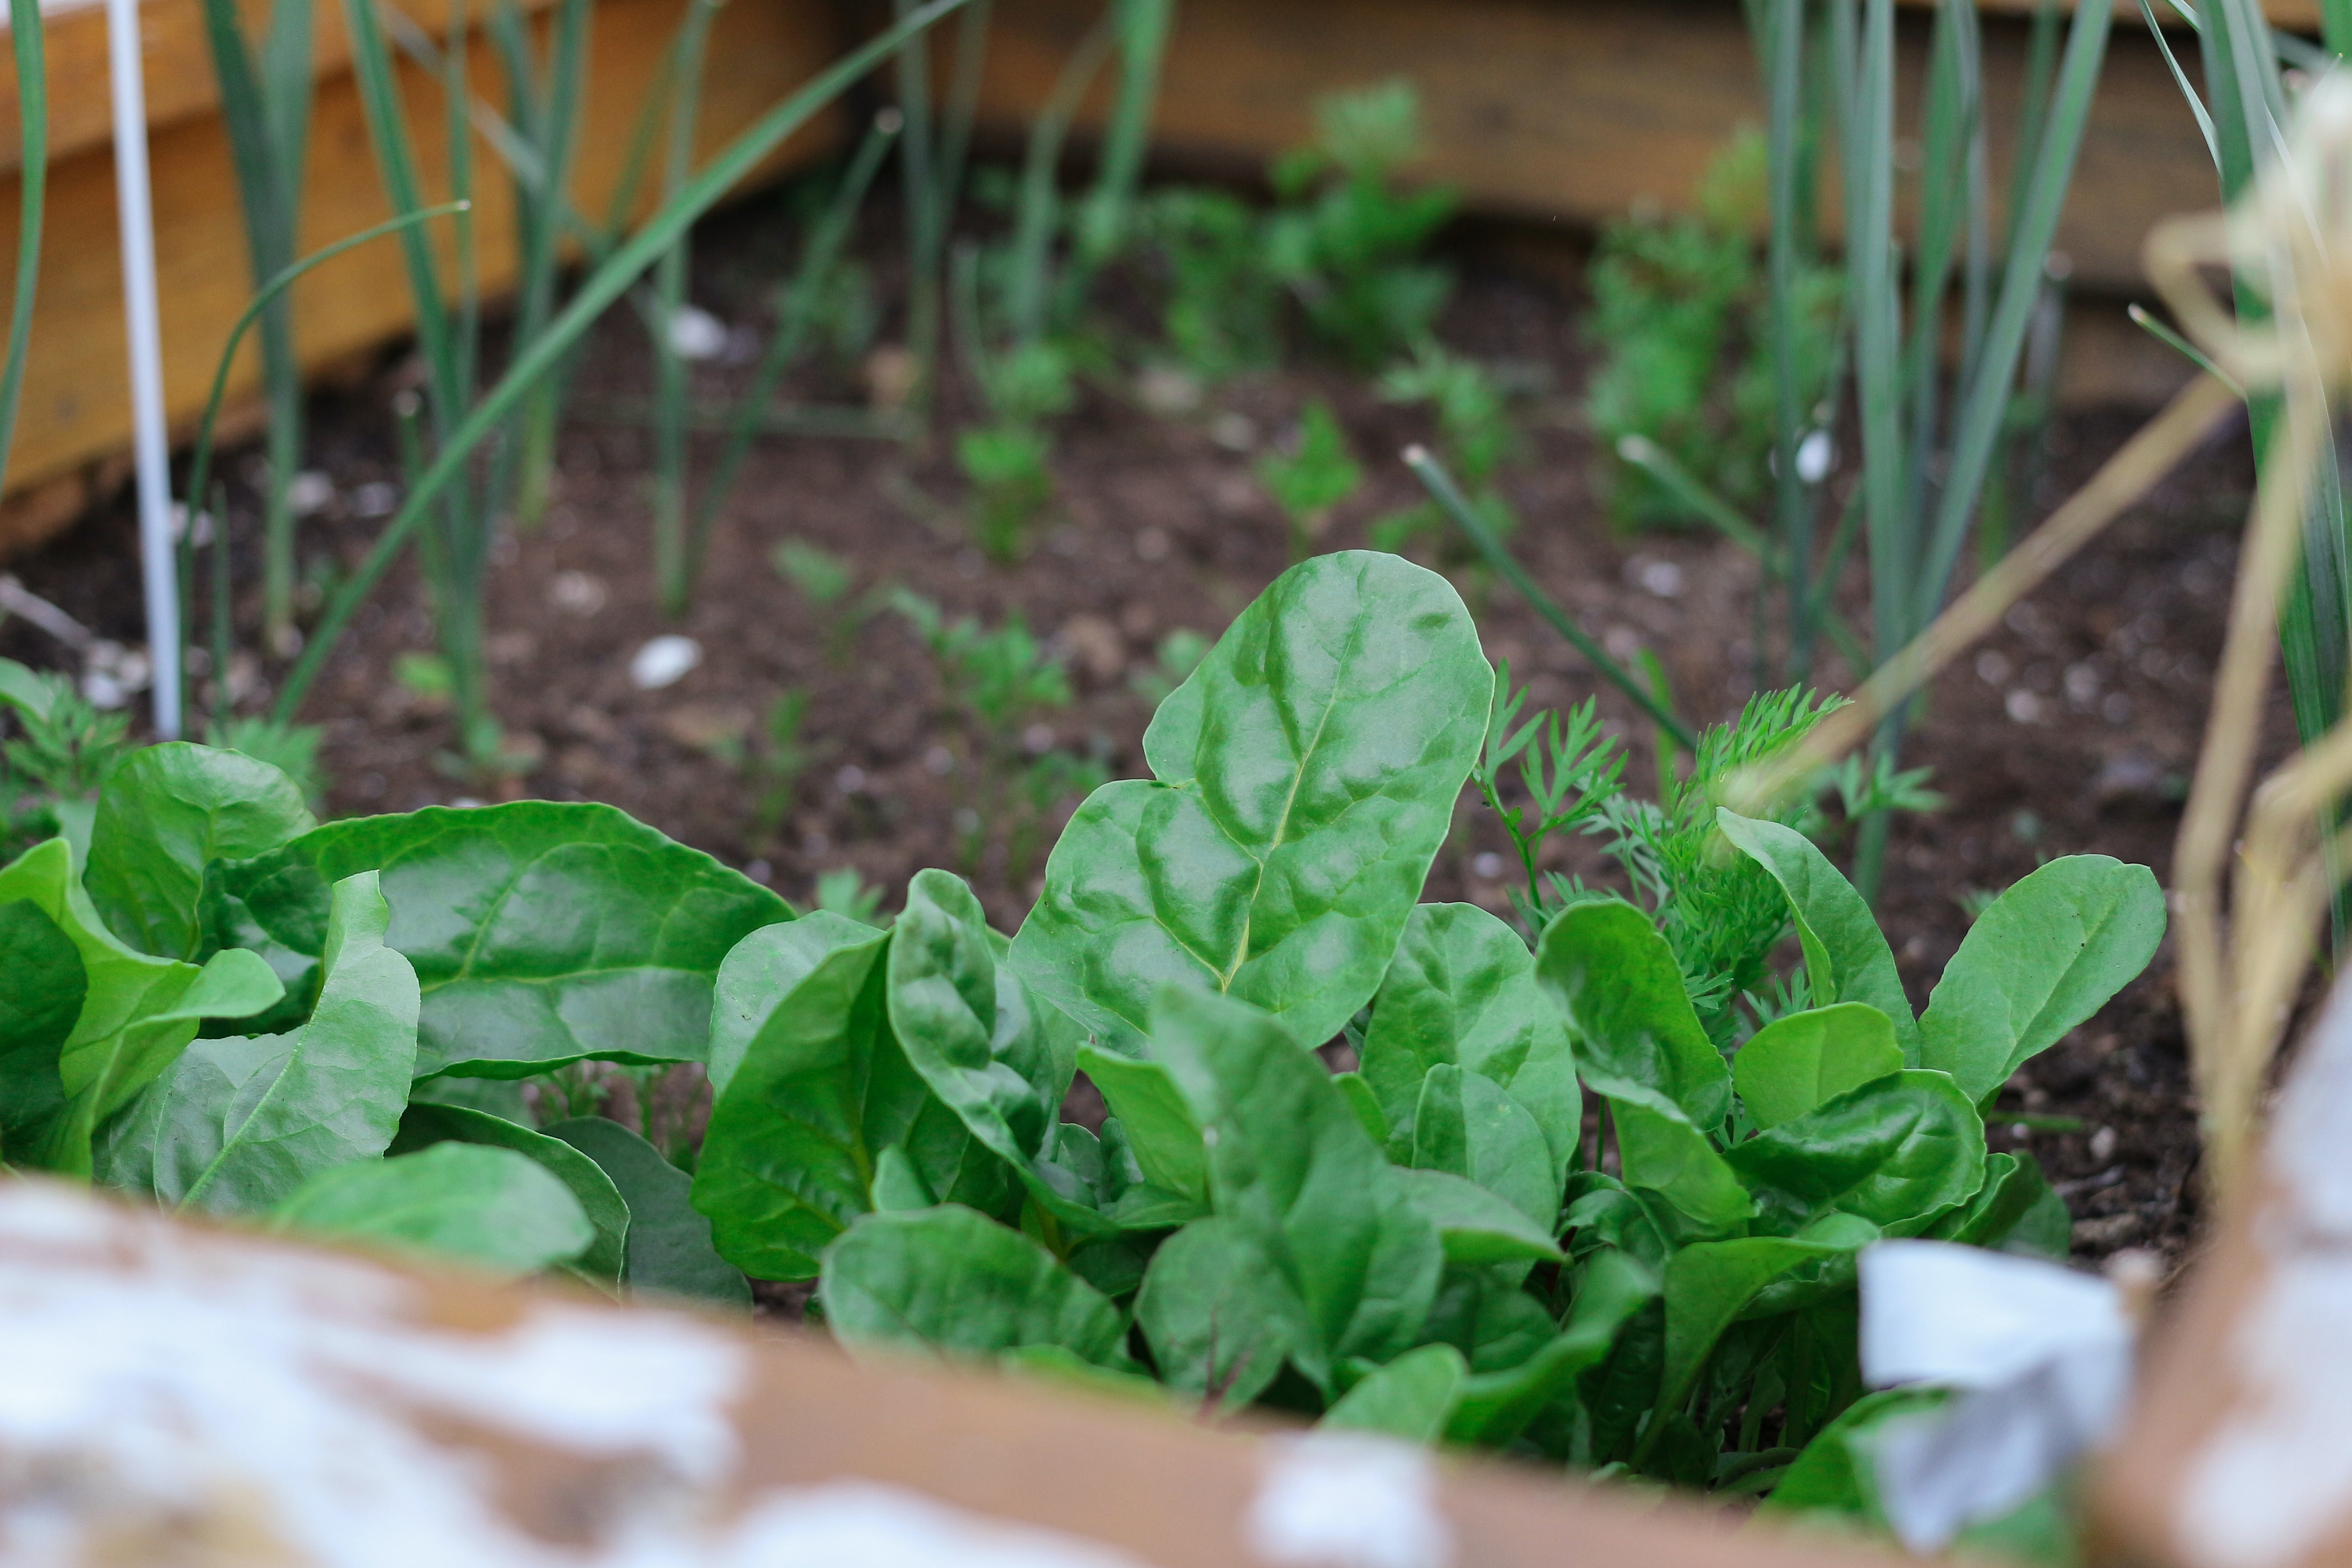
(176, 1393)
(2238, 1453)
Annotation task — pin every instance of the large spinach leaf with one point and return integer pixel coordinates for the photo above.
(492, 1208)
(1306, 775)
(239, 1122)
(166, 813)
(2042, 957)
(1631, 1019)
(543, 933)
(1847, 958)
(952, 1280)
(1897, 1151)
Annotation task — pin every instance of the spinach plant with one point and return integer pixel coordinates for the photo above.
(1595, 1198)
(1598, 1200)
(1310, 481)
(1681, 318)
(997, 684)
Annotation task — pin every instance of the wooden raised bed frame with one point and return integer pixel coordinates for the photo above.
(1557, 112)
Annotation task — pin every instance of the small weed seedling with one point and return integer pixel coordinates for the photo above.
(1681, 317)
(1475, 436)
(63, 752)
(844, 892)
(775, 767)
(1309, 482)
(997, 683)
(1221, 312)
(826, 580)
(1346, 240)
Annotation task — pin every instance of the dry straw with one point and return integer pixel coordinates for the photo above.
(2242, 958)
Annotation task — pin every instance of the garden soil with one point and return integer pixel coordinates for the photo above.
(2070, 730)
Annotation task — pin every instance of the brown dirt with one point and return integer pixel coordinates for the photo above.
(2071, 731)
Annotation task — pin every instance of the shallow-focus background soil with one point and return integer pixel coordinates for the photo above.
(2073, 731)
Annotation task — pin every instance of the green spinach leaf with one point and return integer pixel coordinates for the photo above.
(239, 1121)
(796, 1140)
(1305, 775)
(1471, 1126)
(957, 1282)
(1793, 1064)
(1659, 1150)
(166, 813)
(42, 984)
(1630, 1018)
(1897, 1152)
(1846, 956)
(1412, 1398)
(137, 1015)
(492, 1208)
(1288, 1158)
(1221, 1318)
(542, 931)
(669, 1251)
(1462, 992)
(424, 1124)
(2042, 957)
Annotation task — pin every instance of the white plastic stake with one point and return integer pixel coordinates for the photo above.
(135, 218)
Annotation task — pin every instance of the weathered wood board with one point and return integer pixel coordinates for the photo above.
(1576, 112)
(253, 1401)
(76, 408)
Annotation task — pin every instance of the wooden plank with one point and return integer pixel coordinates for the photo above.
(700, 1426)
(178, 66)
(76, 405)
(1578, 113)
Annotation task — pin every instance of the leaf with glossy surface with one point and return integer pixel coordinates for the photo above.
(1287, 1157)
(166, 813)
(1307, 774)
(542, 931)
(425, 1124)
(669, 1251)
(758, 971)
(42, 984)
(2041, 958)
(138, 1012)
(1897, 1152)
(1659, 1150)
(1616, 979)
(955, 1282)
(1220, 1317)
(985, 1045)
(1469, 1125)
(492, 1208)
(1412, 1398)
(1475, 1226)
(240, 1121)
(1493, 1407)
(1793, 1064)
(1462, 990)
(1846, 957)
(795, 1140)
